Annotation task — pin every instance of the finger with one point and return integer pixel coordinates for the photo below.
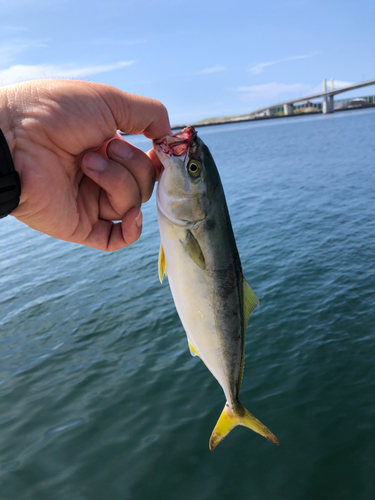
(121, 191)
(137, 163)
(108, 236)
(156, 162)
(135, 114)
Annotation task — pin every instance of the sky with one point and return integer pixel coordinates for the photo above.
(201, 58)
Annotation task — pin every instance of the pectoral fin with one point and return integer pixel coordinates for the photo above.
(194, 250)
(161, 264)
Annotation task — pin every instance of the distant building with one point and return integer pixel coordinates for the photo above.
(308, 107)
(356, 103)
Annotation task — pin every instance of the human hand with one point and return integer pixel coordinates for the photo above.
(69, 191)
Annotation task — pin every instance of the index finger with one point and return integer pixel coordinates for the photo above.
(135, 114)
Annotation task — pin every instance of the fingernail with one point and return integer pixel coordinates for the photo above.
(138, 219)
(95, 162)
(121, 149)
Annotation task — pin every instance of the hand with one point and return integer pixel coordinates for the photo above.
(69, 191)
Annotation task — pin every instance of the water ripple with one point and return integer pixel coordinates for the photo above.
(99, 394)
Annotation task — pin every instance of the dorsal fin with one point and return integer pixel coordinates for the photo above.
(161, 264)
(250, 301)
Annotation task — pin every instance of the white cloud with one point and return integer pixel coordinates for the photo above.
(338, 84)
(258, 68)
(272, 90)
(107, 41)
(20, 73)
(132, 42)
(12, 28)
(15, 46)
(214, 69)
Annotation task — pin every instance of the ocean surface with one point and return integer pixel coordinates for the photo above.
(99, 396)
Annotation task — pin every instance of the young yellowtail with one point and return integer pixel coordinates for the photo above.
(199, 253)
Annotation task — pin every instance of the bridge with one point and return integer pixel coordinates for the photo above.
(328, 103)
(287, 106)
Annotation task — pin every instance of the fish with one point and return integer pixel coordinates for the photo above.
(198, 253)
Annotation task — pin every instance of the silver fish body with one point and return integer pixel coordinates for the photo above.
(199, 253)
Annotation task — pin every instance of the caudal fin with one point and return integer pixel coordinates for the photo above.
(238, 415)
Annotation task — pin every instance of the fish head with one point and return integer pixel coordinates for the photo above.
(187, 179)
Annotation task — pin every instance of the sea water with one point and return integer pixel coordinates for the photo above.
(99, 396)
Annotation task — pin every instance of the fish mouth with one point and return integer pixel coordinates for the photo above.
(177, 144)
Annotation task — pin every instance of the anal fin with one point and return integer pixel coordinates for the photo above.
(193, 351)
(161, 264)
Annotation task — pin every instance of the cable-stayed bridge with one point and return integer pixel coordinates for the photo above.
(328, 102)
(285, 108)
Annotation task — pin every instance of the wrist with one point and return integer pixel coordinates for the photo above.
(10, 187)
(5, 120)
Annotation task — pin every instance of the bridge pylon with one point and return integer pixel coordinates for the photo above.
(328, 103)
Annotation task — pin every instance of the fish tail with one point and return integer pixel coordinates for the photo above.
(237, 415)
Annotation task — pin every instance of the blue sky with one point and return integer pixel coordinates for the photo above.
(200, 58)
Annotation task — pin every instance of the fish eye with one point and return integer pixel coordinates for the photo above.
(194, 168)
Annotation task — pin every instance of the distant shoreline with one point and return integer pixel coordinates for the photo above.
(241, 118)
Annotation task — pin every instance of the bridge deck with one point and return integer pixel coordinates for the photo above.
(315, 96)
